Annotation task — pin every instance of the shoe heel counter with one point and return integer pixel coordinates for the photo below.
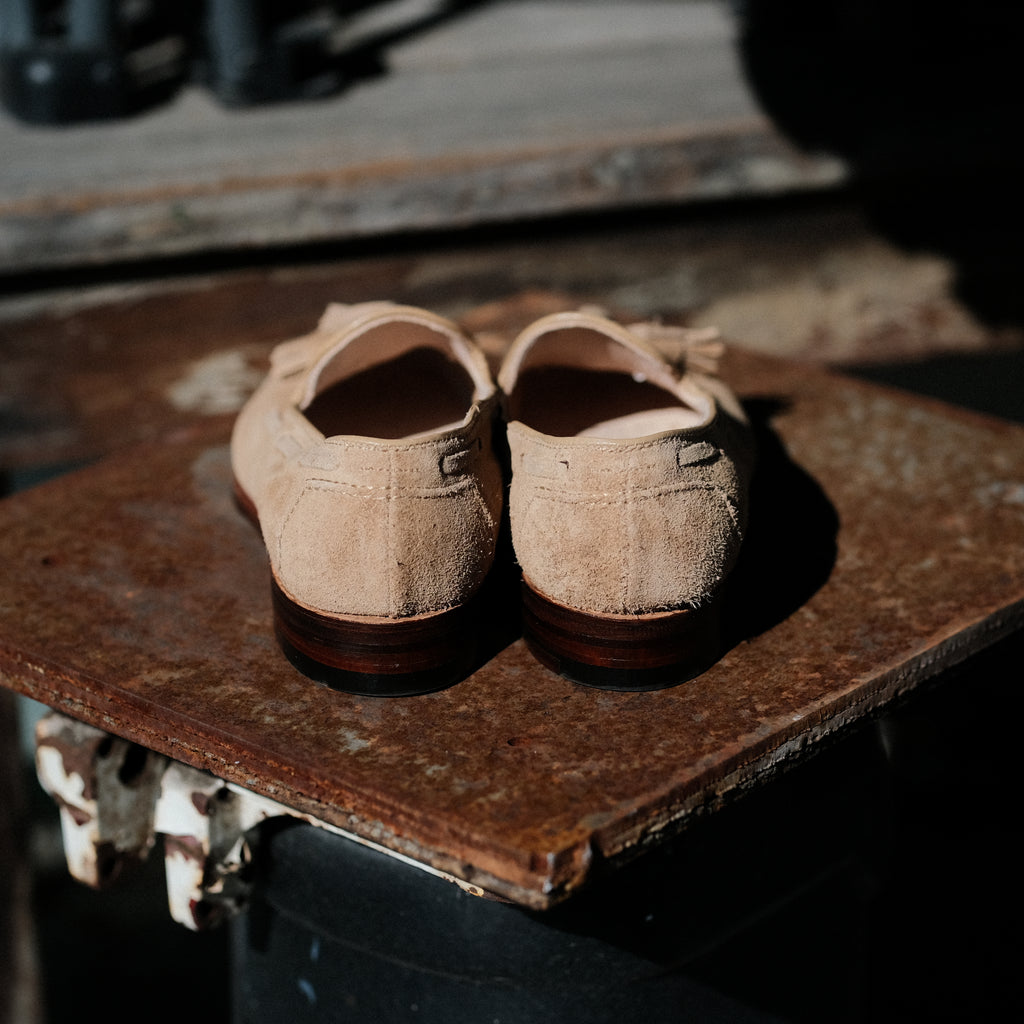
(385, 551)
(329, 550)
(666, 548)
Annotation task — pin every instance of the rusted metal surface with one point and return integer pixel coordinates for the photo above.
(887, 543)
(139, 364)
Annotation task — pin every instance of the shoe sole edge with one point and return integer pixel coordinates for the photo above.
(621, 652)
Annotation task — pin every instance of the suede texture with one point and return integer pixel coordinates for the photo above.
(624, 525)
(367, 527)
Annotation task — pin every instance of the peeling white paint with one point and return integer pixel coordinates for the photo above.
(206, 822)
(80, 840)
(351, 741)
(218, 383)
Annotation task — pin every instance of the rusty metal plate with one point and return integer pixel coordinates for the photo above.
(887, 542)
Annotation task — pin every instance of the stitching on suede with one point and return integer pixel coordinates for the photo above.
(617, 449)
(395, 490)
(550, 494)
(586, 497)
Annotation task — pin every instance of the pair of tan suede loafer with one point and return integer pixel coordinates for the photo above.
(368, 458)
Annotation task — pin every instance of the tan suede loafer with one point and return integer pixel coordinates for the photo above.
(366, 458)
(628, 498)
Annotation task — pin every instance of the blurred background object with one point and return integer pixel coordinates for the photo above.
(64, 61)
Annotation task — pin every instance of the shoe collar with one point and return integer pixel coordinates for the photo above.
(308, 359)
(677, 359)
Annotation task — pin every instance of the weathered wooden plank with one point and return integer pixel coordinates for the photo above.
(513, 110)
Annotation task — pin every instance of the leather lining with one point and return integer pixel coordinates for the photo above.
(565, 401)
(419, 392)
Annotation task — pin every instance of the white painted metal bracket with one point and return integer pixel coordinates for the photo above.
(116, 798)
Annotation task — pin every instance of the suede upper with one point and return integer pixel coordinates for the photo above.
(359, 522)
(629, 475)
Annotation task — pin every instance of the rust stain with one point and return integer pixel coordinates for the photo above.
(202, 802)
(78, 815)
(78, 757)
(186, 847)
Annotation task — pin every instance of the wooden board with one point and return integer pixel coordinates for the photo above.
(500, 112)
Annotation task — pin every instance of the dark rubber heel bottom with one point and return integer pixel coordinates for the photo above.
(377, 657)
(369, 684)
(621, 652)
